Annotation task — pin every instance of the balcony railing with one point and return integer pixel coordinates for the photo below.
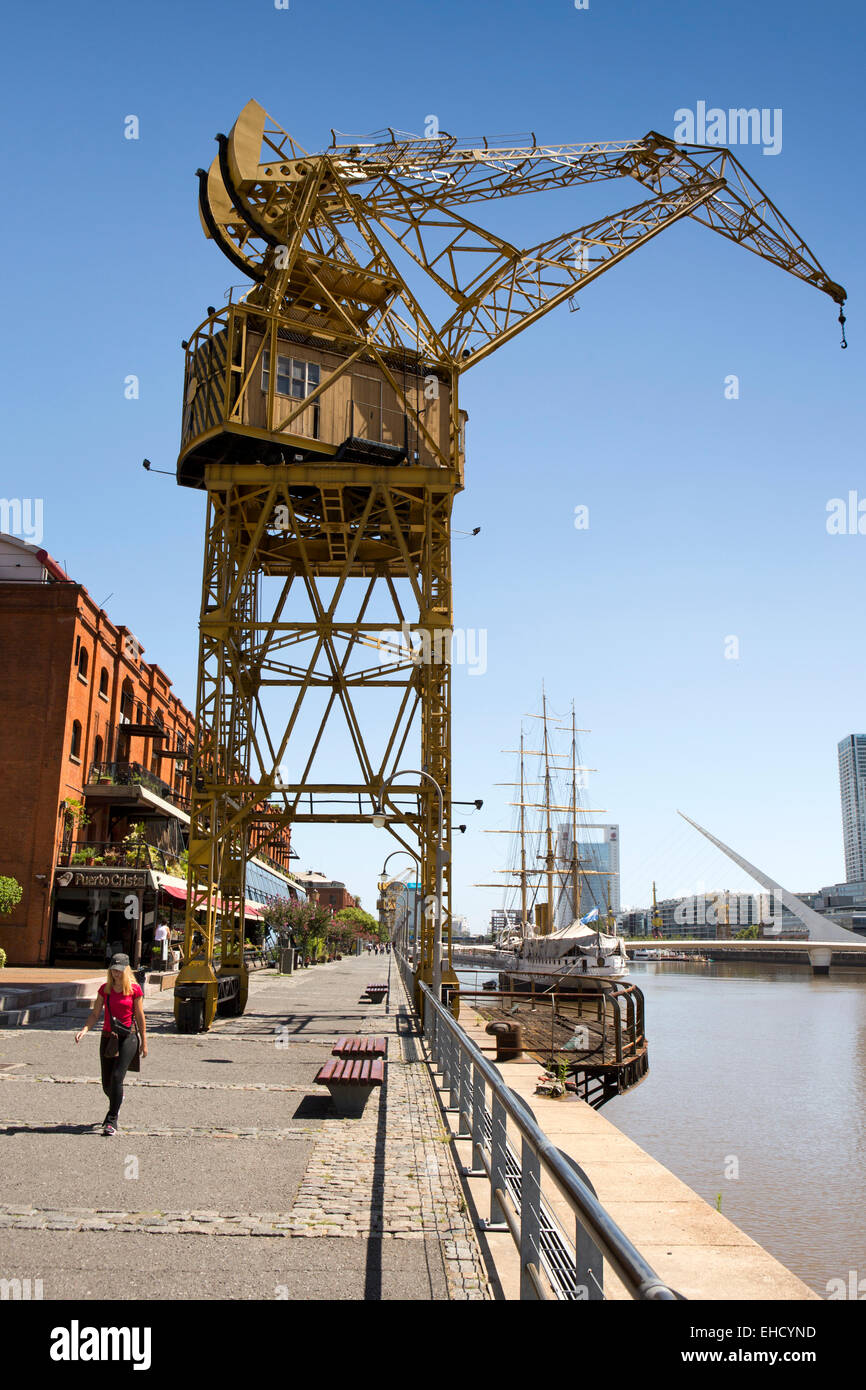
(133, 774)
(114, 854)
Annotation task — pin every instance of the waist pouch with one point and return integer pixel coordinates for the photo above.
(118, 1035)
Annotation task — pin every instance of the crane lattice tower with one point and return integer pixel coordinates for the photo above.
(322, 418)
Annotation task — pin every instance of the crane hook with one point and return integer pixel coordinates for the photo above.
(844, 343)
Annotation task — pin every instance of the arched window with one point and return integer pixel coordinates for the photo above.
(127, 702)
(97, 750)
(75, 750)
(82, 663)
(103, 683)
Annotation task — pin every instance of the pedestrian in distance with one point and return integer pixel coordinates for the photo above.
(161, 943)
(123, 1032)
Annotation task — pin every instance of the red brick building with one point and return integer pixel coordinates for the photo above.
(94, 772)
(329, 892)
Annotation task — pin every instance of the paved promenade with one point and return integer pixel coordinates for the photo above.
(232, 1177)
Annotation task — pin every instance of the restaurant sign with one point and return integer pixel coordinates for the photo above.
(101, 878)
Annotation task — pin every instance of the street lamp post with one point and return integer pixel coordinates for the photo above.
(383, 883)
(379, 820)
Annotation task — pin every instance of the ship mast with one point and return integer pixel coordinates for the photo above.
(549, 857)
(575, 858)
(522, 840)
(548, 868)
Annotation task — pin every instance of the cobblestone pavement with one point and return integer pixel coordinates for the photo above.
(375, 1202)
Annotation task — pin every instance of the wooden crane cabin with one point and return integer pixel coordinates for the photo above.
(258, 391)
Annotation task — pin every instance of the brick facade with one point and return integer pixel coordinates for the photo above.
(75, 694)
(70, 681)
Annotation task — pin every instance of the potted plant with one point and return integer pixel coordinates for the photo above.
(134, 843)
(10, 897)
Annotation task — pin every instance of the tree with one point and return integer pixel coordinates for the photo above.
(308, 923)
(10, 894)
(359, 919)
(361, 923)
(748, 933)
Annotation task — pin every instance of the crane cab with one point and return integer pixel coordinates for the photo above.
(257, 391)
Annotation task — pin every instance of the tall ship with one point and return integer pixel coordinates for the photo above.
(562, 965)
(557, 944)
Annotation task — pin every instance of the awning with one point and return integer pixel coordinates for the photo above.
(178, 895)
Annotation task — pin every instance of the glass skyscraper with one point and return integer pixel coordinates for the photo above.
(598, 854)
(852, 782)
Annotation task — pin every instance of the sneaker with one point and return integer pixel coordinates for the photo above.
(109, 1130)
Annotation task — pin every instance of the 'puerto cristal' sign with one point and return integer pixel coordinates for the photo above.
(99, 878)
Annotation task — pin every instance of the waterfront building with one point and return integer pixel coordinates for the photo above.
(636, 921)
(504, 919)
(330, 892)
(460, 928)
(598, 855)
(95, 753)
(852, 784)
(715, 916)
(842, 903)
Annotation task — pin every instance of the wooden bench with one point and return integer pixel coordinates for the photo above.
(377, 993)
(360, 1047)
(350, 1081)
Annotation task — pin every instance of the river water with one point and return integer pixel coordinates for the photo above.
(757, 1091)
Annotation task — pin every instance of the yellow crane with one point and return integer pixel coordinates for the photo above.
(322, 419)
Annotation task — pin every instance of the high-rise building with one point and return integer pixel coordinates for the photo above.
(852, 783)
(598, 855)
(503, 919)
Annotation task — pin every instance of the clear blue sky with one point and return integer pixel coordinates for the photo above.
(707, 516)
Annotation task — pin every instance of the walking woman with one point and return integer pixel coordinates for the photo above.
(120, 998)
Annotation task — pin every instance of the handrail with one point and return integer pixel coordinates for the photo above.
(630, 1045)
(636, 1273)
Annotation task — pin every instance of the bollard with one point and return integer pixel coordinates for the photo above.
(509, 1040)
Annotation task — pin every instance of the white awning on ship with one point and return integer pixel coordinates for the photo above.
(583, 935)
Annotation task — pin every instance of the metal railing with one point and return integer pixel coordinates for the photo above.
(551, 1266)
(116, 854)
(618, 1014)
(126, 774)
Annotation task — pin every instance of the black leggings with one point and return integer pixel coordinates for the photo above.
(114, 1069)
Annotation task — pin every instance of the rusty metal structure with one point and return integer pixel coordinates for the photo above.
(322, 419)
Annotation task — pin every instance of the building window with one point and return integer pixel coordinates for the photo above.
(103, 684)
(82, 664)
(75, 749)
(127, 702)
(294, 378)
(97, 751)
